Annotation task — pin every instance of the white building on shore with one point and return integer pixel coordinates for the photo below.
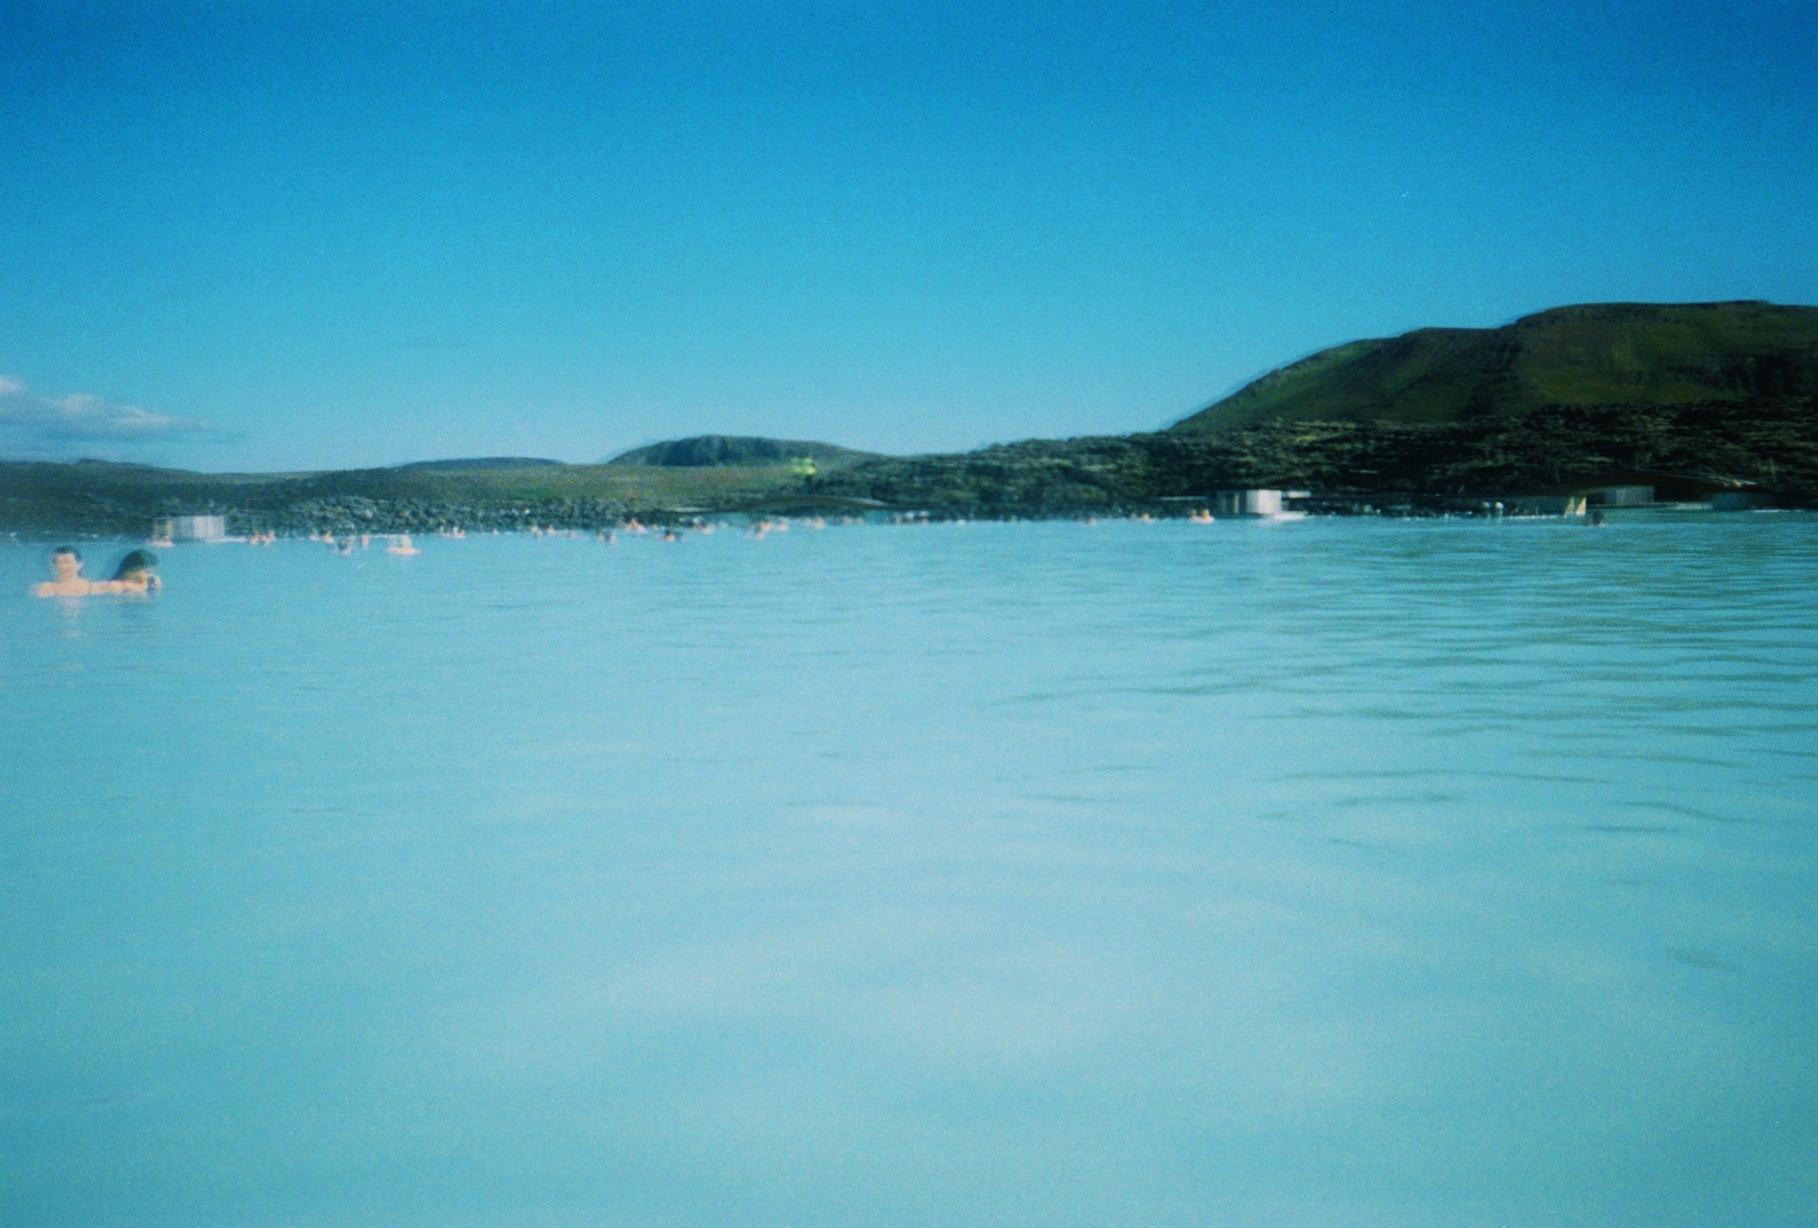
(191, 529)
(1270, 504)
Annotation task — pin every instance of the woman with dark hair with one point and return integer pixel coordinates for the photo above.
(135, 574)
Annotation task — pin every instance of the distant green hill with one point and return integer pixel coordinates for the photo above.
(715, 451)
(469, 463)
(1713, 393)
(1598, 354)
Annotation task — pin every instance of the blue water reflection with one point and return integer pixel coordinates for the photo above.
(1151, 874)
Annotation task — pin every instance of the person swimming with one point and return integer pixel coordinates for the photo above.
(66, 565)
(135, 574)
(402, 546)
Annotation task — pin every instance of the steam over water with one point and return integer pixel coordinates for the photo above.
(1329, 872)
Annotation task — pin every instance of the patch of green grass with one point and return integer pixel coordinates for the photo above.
(1613, 353)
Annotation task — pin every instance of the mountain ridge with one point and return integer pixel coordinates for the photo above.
(1723, 394)
(467, 464)
(1580, 355)
(719, 451)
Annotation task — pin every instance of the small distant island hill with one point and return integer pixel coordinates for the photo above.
(1687, 399)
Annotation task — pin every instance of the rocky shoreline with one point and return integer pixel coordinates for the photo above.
(1768, 448)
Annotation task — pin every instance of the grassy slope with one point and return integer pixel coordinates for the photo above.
(1612, 353)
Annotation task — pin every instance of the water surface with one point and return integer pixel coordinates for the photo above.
(1365, 872)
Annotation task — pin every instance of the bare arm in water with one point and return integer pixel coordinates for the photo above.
(136, 576)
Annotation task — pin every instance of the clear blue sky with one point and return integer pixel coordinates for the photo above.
(350, 233)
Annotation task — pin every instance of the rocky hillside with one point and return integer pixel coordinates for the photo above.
(469, 463)
(1602, 354)
(1716, 393)
(1772, 445)
(715, 451)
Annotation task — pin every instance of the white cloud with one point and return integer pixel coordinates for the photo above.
(39, 425)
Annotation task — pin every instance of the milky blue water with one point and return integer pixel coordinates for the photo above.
(1327, 872)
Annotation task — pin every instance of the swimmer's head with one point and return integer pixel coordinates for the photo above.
(135, 561)
(66, 561)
